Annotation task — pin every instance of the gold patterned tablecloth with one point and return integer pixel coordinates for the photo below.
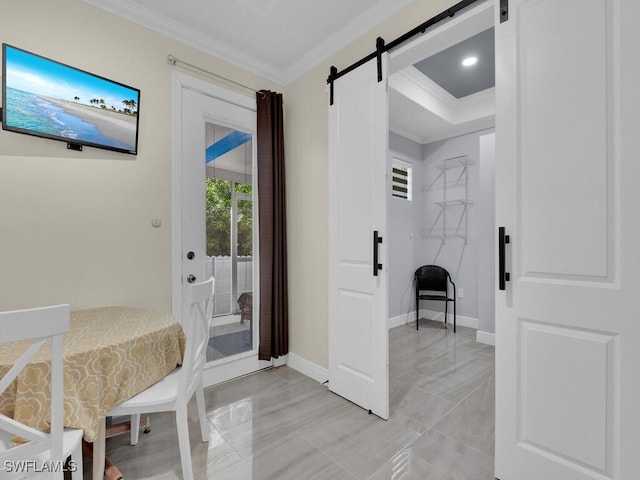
(110, 355)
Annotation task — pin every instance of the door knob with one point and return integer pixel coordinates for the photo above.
(191, 278)
(191, 255)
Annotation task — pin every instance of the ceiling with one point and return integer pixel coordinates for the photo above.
(447, 70)
(431, 97)
(277, 39)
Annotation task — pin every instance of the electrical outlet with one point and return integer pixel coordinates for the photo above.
(460, 292)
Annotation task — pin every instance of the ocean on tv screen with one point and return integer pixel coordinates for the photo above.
(69, 120)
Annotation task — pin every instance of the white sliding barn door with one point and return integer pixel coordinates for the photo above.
(568, 173)
(358, 335)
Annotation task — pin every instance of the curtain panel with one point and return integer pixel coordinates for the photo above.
(274, 315)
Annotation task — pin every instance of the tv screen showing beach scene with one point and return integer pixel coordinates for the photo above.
(48, 99)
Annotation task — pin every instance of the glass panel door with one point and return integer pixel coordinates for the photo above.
(217, 207)
(230, 240)
(242, 261)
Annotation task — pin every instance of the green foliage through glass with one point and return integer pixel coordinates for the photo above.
(218, 217)
(218, 211)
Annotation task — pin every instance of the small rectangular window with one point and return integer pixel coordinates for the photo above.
(401, 179)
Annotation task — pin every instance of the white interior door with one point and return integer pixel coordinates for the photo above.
(358, 335)
(567, 332)
(214, 127)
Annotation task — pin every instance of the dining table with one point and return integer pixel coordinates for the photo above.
(110, 355)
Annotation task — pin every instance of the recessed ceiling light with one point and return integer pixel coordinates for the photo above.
(469, 61)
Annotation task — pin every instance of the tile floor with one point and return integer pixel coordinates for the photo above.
(279, 424)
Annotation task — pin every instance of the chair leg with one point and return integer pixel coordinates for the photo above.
(454, 313)
(202, 415)
(135, 428)
(446, 311)
(98, 452)
(76, 456)
(182, 425)
(417, 311)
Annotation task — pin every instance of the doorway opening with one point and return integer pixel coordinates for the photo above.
(442, 126)
(358, 139)
(441, 122)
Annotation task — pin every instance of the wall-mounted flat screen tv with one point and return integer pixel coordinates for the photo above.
(48, 99)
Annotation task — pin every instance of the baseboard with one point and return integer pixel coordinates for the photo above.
(400, 320)
(280, 361)
(486, 337)
(461, 320)
(432, 315)
(308, 368)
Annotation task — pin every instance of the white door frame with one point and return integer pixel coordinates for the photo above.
(180, 81)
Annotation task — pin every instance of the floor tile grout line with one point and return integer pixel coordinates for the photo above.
(452, 407)
(352, 473)
(475, 449)
(431, 360)
(326, 455)
(329, 457)
(458, 440)
(474, 389)
(223, 436)
(455, 405)
(286, 436)
(441, 397)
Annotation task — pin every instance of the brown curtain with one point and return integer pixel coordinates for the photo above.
(274, 315)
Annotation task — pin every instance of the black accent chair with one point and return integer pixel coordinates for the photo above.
(435, 280)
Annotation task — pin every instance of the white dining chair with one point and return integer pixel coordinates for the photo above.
(43, 454)
(174, 391)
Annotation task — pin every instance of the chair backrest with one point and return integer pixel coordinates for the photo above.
(432, 277)
(37, 325)
(196, 328)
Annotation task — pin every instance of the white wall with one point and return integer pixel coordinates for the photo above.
(75, 227)
(403, 228)
(460, 258)
(472, 266)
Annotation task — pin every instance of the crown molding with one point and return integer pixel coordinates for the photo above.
(180, 32)
(168, 27)
(356, 28)
(407, 134)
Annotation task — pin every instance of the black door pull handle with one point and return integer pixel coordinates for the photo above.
(503, 276)
(376, 241)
